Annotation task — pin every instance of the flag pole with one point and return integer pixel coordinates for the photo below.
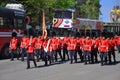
(44, 31)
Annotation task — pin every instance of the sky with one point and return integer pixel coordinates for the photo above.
(106, 7)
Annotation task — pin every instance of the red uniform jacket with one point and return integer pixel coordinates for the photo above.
(72, 44)
(13, 44)
(38, 43)
(95, 44)
(24, 42)
(97, 41)
(45, 43)
(65, 42)
(59, 43)
(54, 44)
(30, 45)
(78, 42)
(116, 38)
(118, 41)
(103, 47)
(82, 42)
(112, 45)
(87, 45)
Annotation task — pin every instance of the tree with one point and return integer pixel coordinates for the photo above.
(2, 3)
(62, 4)
(89, 9)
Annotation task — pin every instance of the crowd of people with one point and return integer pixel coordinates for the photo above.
(84, 49)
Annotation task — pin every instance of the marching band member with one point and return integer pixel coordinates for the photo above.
(78, 49)
(87, 49)
(38, 47)
(59, 47)
(103, 50)
(72, 46)
(94, 50)
(23, 46)
(30, 51)
(47, 50)
(112, 46)
(118, 44)
(65, 46)
(13, 47)
(54, 48)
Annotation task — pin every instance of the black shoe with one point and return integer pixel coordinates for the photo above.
(75, 62)
(37, 60)
(96, 61)
(114, 61)
(101, 64)
(50, 63)
(55, 60)
(71, 62)
(68, 59)
(35, 65)
(82, 60)
(46, 64)
(110, 62)
(22, 60)
(28, 68)
(12, 60)
(85, 63)
(63, 59)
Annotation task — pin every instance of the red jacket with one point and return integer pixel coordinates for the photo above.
(30, 45)
(24, 42)
(65, 42)
(78, 42)
(87, 45)
(38, 43)
(59, 43)
(82, 42)
(95, 44)
(103, 47)
(54, 44)
(13, 44)
(72, 44)
(118, 40)
(112, 45)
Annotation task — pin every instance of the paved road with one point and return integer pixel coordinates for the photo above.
(16, 70)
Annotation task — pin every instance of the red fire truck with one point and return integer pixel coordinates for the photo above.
(11, 21)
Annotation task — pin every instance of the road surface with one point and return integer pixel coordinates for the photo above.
(16, 70)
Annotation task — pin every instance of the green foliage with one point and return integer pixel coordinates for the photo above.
(62, 4)
(89, 9)
(2, 3)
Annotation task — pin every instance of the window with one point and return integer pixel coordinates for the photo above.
(63, 14)
(11, 18)
(19, 23)
(1, 21)
(6, 22)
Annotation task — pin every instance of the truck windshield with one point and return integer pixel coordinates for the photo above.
(63, 14)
